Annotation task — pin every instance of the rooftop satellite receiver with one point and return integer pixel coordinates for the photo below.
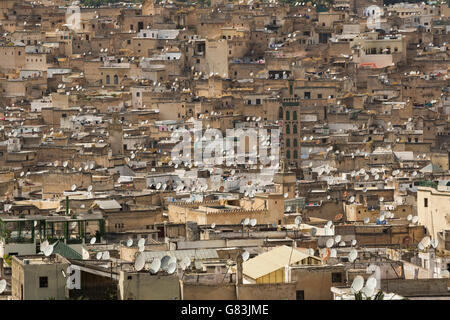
(354, 242)
(129, 242)
(99, 255)
(141, 242)
(93, 240)
(245, 255)
(298, 221)
(165, 262)
(313, 231)
(366, 220)
(44, 245)
(409, 218)
(213, 225)
(426, 241)
(330, 243)
(337, 239)
(352, 255)
(172, 260)
(342, 244)
(246, 221)
(186, 262)
(2, 286)
(89, 189)
(310, 251)
(286, 195)
(74, 187)
(274, 225)
(357, 284)
(329, 224)
(172, 267)
(415, 219)
(253, 222)
(420, 246)
(371, 283)
(48, 250)
(91, 166)
(434, 243)
(139, 263)
(155, 266)
(105, 255)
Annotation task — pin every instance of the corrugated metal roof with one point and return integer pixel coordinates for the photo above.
(272, 260)
(66, 251)
(200, 254)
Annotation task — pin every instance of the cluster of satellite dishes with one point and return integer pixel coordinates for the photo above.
(249, 222)
(368, 290)
(413, 219)
(167, 264)
(426, 243)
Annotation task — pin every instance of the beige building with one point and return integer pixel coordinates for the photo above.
(433, 209)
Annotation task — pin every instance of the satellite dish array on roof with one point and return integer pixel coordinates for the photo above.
(358, 286)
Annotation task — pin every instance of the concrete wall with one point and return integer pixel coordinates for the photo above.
(420, 287)
(209, 292)
(145, 286)
(279, 291)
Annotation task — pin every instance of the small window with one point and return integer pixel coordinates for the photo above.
(425, 202)
(43, 282)
(300, 295)
(336, 277)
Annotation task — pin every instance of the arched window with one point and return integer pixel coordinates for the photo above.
(295, 154)
(108, 79)
(280, 113)
(287, 115)
(288, 129)
(116, 79)
(294, 115)
(288, 154)
(295, 129)
(295, 142)
(288, 143)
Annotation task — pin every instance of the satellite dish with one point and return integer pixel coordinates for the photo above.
(434, 243)
(330, 243)
(141, 242)
(342, 244)
(286, 195)
(98, 255)
(352, 199)
(213, 225)
(139, 262)
(382, 217)
(371, 283)
(253, 222)
(141, 248)
(409, 218)
(89, 189)
(155, 266)
(426, 241)
(172, 267)
(354, 242)
(246, 221)
(337, 238)
(357, 284)
(333, 253)
(48, 250)
(420, 246)
(382, 199)
(165, 262)
(298, 221)
(366, 220)
(44, 245)
(129, 242)
(313, 231)
(245, 255)
(2, 286)
(329, 224)
(352, 255)
(105, 255)
(310, 251)
(93, 240)
(74, 187)
(415, 219)
(186, 262)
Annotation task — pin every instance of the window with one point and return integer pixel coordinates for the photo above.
(288, 154)
(43, 282)
(294, 115)
(300, 295)
(280, 113)
(108, 79)
(295, 154)
(116, 79)
(336, 277)
(287, 115)
(295, 142)
(258, 101)
(288, 129)
(307, 95)
(425, 202)
(295, 129)
(288, 143)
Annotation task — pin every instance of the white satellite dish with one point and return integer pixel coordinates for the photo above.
(382, 199)
(44, 245)
(186, 262)
(141, 242)
(158, 186)
(141, 248)
(105, 255)
(354, 242)
(2, 286)
(420, 246)
(371, 283)
(129, 242)
(333, 253)
(409, 218)
(286, 195)
(415, 219)
(245, 255)
(246, 221)
(99, 255)
(381, 217)
(165, 262)
(155, 266)
(366, 220)
(329, 224)
(310, 251)
(93, 240)
(352, 199)
(89, 189)
(48, 250)
(434, 243)
(330, 243)
(337, 239)
(357, 284)
(298, 221)
(139, 262)
(172, 267)
(253, 222)
(426, 241)
(213, 225)
(352, 255)
(342, 244)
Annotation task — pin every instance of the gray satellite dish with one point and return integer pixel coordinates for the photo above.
(420, 246)
(2, 286)
(342, 244)
(129, 242)
(139, 262)
(93, 240)
(165, 262)
(245, 255)
(171, 268)
(409, 218)
(253, 222)
(155, 266)
(98, 256)
(48, 250)
(329, 224)
(310, 251)
(74, 187)
(313, 231)
(141, 248)
(274, 225)
(172, 260)
(286, 195)
(357, 284)
(330, 243)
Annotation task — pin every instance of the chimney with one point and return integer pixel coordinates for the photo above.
(239, 275)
